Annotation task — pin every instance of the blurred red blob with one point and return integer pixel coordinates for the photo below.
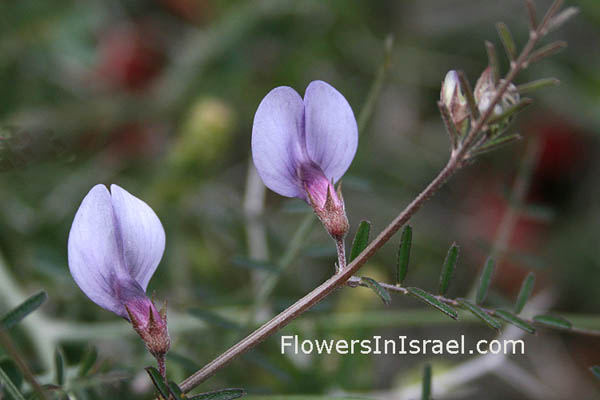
(562, 157)
(129, 56)
(136, 141)
(488, 209)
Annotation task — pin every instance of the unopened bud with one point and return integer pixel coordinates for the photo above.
(452, 97)
(150, 324)
(485, 91)
(327, 203)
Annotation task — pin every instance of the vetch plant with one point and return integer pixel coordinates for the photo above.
(115, 245)
(284, 124)
(301, 147)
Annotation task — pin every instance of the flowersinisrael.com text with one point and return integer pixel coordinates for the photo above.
(401, 345)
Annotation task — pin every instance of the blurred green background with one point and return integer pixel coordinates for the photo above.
(159, 97)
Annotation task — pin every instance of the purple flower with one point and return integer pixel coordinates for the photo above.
(300, 147)
(115, 244)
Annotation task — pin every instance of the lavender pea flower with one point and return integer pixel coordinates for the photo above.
(301, 147)
(115, 244)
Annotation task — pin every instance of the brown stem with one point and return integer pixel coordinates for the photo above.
(312, 298)
(456, 162)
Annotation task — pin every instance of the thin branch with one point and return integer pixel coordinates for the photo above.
(455, 162)
(354, 282)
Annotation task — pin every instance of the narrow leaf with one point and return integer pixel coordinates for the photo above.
(537, 84)
(431, 300)
(596, 371)
(468, 93)
(158, 381)
(511, 111)
(485, 280)
(176, 391)
(514, 320)
(532, 14)
(493, 61)
(88, 361)
(550, 14)
(14, 316)
(562, 17)
(59, 366)
(552, 321)
(448, 268)
(480, 313)
(546, 51)
(372, 284)
(525, 292)
(426, 386)
(361, 239)
(223, 394)
(507, 40)
(10, 386)
(495, 144)
(403, 254)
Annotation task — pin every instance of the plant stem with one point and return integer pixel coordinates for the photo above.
(312, 298)
(341, 253)
(456, 161)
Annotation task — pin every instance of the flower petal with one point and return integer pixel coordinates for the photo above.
(141, 233)
(277, 141)
(94, 253)
(331, 130)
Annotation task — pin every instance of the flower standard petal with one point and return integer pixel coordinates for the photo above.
(331, 130)
(142, 237)
(278, 141)
(94, 252)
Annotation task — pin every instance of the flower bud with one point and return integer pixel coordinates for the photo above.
(452, 97)
(150, 324)
(485, 90)
(327, 203)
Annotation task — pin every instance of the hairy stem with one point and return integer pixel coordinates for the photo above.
(341, 253)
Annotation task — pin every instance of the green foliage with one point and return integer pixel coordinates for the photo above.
(59, 366)
(431, 300)
(223, 394)
(361, 239)
(426, 385)
(379, 290)
(552, 321)
(88, 360)
(525, 292)
(403, 254)
(14, 316)
(507, 40)
(485, 280)
(448, 268)
(159, 382)
(480, 313)
(512, 319)
(11, 389)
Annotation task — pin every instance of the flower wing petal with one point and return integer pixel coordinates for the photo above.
(277, 140)
(331, 130)
(94, 254)
(141, 233)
